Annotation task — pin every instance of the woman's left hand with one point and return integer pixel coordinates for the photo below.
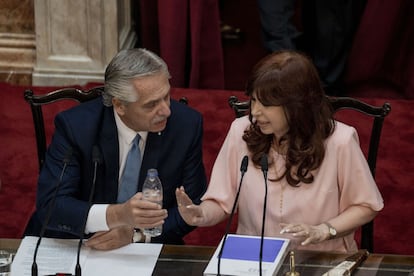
(309, 233)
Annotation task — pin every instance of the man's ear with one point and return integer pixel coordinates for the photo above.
(119, 106)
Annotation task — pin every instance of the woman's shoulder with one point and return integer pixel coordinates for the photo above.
(343, 134)
(241, 123)
(237, 127)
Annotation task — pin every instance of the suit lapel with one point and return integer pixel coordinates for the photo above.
(109, 145)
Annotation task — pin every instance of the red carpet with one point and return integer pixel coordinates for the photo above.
(395, 169)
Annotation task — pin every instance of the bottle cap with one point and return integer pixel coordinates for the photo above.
(152, 172)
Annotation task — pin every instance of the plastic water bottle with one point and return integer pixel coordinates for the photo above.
(152, 191)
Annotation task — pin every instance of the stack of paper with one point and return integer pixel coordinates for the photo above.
(241, 256)
(59, 256)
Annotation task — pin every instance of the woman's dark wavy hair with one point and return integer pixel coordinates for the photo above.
(289, 79)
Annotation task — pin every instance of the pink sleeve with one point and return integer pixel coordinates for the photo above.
(225, 174)
(356, 184)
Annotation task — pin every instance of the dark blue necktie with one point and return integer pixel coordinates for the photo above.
(129, 179)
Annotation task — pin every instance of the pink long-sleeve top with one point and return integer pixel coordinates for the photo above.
(343, 179)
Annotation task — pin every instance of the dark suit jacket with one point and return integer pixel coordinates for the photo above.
(176, 152)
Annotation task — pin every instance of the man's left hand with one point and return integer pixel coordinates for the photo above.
(112, 239)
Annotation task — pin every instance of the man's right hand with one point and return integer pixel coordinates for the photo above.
(135, 212)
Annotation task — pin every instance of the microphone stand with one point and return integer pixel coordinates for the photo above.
(66, 161)
(243, 169)
(264, 164)
(96, 157)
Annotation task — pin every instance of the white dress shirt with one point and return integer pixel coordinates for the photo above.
(97, 214)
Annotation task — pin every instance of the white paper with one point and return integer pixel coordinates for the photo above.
(59, 255)
(133, 259)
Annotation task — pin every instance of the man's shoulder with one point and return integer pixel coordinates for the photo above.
(86, 116)
(91, 104)
(89, 109)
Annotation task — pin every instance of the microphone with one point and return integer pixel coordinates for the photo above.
(265, 167)
(243, 169)
(66, 160)
(96, 158)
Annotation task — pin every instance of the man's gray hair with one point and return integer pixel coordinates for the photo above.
(126, 66)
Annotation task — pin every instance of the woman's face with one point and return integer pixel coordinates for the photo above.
(270, 119)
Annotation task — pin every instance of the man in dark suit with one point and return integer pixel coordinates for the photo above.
(136, 100)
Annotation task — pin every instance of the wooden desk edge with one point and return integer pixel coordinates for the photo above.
(205, 253)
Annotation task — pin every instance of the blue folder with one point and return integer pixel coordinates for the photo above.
(248, 248)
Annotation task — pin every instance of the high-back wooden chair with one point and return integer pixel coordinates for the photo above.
(37, 102)
(378, 113)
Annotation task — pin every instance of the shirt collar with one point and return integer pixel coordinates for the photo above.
(127, 134)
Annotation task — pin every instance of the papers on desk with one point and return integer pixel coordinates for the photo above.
(241, 256)
(59, 255)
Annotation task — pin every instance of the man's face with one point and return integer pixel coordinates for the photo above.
(152, 109)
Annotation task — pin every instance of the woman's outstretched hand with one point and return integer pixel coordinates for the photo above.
(191, 213)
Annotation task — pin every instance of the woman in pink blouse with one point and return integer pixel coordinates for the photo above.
(320, 189)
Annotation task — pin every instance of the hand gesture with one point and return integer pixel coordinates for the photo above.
(191, 213)
(309, 233)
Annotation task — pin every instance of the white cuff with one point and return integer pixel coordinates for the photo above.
(97, 219)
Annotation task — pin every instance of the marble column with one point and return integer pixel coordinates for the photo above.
(76, 39)
(17, 41)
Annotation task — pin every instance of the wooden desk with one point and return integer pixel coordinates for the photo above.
(191, 260)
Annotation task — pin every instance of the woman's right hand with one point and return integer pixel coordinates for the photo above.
(191, 213)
